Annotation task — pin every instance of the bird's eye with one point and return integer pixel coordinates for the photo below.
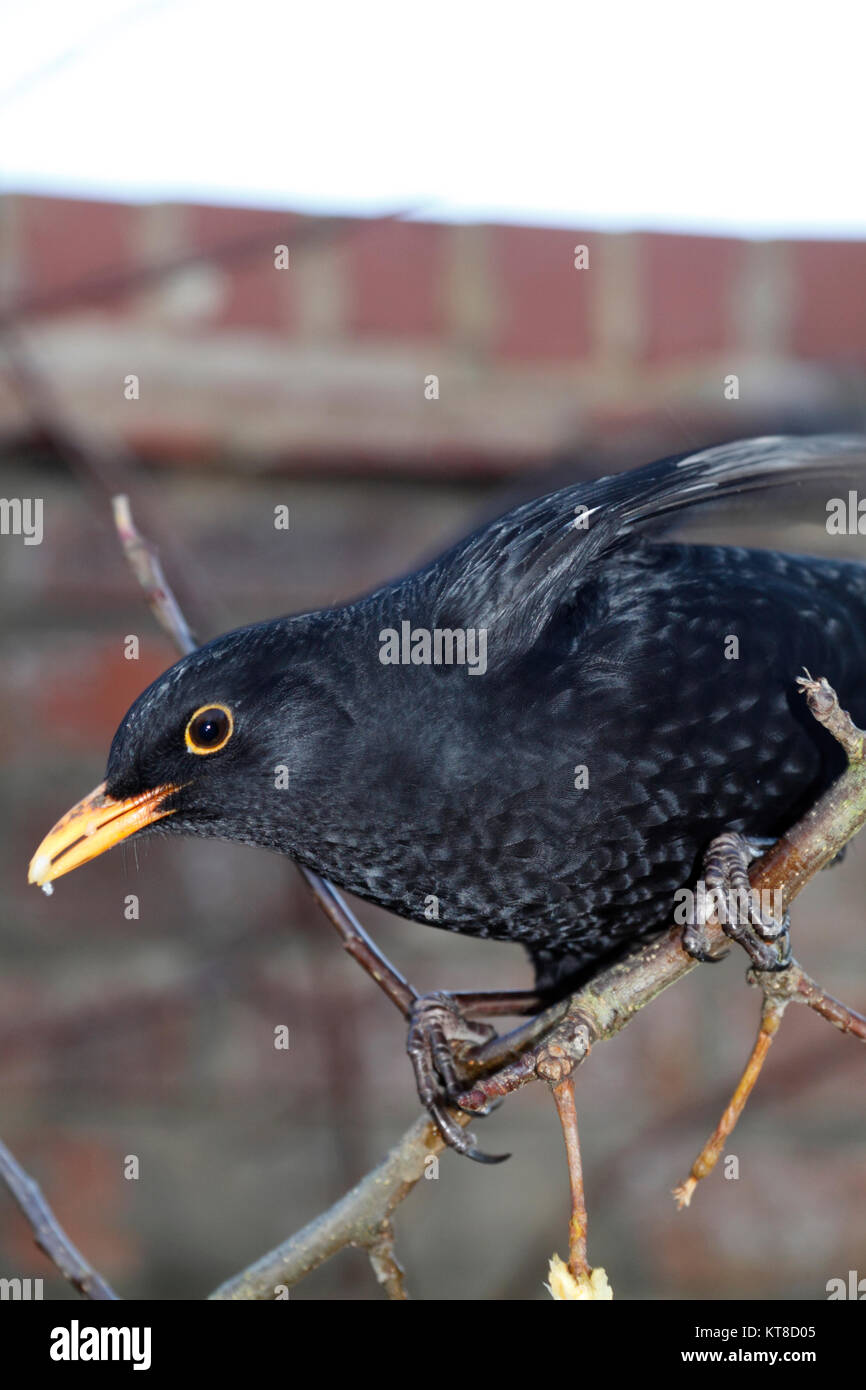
(210, 729)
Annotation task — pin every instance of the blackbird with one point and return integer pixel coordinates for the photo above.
(534, 738)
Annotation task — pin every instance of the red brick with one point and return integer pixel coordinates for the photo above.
(544, 303)
(690, 284)
(97, 690)
(242, 241)
(176, 444)
(65, 241)
(396, 274)
(829, 291)
(74, 695)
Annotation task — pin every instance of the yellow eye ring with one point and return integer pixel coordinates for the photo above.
(209, 729)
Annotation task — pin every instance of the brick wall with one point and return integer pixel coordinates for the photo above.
(325, 363)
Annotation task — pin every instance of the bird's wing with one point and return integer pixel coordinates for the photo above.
(513, 574)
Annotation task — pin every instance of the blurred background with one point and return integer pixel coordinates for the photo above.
(222, 291)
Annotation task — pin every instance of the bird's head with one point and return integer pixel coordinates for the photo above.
(200, 751)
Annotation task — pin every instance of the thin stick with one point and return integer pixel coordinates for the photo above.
(496, 1003)
(387, 1268)
(356, 1219)
(563, 1094)
(771, 1017)
(145, 565)
(49, 1234)
(842, 1016)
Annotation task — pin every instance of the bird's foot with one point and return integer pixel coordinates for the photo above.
(439, 1035)
(726, 891)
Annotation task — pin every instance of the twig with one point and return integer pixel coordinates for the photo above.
(145, 565)
(563, 1094)
(842, 1016)
(386, 1267)
(359, 1218)
(824, 705)
(771, 1017)
(48, 1233)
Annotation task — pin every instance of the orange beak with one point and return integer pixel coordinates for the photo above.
(94, 825)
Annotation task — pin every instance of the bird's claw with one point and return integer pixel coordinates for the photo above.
(438, 1034)
(765, 939)
(695, 942)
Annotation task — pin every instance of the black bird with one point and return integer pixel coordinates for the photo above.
(534, 738)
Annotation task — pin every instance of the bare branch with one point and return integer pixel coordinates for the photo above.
(359, 1218)
(563, 1094)
(824, 705)
(144, 563)
(48, 1233)
(771, 1017)
(386, 1267)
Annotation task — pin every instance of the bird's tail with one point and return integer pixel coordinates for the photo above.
(748, 465)
(515, 572)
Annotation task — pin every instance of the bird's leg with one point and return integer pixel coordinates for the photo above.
(714, 889)
(725, 890)
(444, 1041)
(440, 1029)
(497, 1003)
(441, 1035)
(359, 943)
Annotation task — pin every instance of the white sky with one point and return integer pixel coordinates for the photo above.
(744, 117)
